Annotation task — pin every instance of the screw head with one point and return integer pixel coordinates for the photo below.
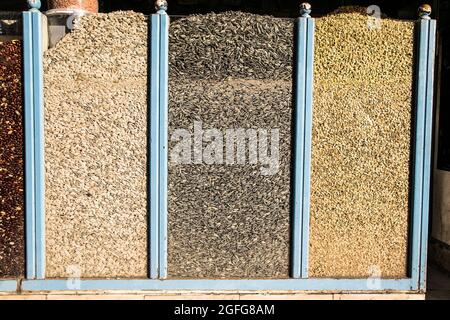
(34, 4)
(425, 11)
(305, 9)
(161, 5)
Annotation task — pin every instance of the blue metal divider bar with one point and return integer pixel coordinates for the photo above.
(8, 286)
(163, 139)
(422, 32)
(38, 84)
(335, 285)
(422, 29)
(299, 114)
(309, 85)
(302, 148)
(428, 113)
(30, 224)
(154, 146)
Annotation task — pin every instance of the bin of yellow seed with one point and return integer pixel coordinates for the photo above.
(361, 146)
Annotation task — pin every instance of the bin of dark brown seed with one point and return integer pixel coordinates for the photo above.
(96, 149)
(11, 161)
(361, 146)
(229, 71)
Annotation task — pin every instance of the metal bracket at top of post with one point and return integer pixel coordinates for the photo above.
(303, 76)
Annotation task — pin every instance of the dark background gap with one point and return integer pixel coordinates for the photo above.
(403, 9)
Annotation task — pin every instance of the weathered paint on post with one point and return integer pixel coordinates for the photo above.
(30, 224)
(154, 146)
(163, 140)
(38, 93)
(423, 117)
(302, 146)
(427, 150)
(307, 144)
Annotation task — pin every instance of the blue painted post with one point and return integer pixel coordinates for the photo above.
(30, 224)
(428, 147)
(422, 31)
(307, 144)
(38, 93)
(303, 112)
(154, 146)
(298, 147)
(163, 135)
(426, 29)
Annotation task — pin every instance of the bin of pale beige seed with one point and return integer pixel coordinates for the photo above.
(361, 146)
(95, 90)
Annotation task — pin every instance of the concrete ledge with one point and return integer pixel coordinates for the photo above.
(210, 296)
(379, 297)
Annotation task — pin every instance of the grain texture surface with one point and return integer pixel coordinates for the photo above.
(231, 44)
(96, 149)
(12, 209)
(361, 147)
(229, 71)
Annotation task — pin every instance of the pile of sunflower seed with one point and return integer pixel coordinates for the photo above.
(228, 71)
(96, 148)
(231, 44)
